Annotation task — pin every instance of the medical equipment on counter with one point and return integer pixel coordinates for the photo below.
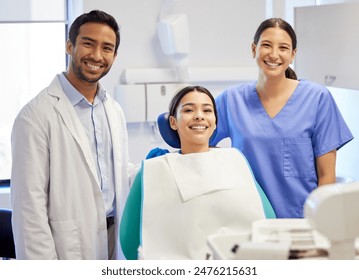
(333, 210)
(274, 239)
(330, 230)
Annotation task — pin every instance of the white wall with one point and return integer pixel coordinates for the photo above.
(220, 34)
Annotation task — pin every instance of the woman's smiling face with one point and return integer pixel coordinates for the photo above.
(195, 121)
(274, 51)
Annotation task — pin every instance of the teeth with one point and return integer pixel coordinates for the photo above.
(93, 67)
(198, 127)
(272, 64)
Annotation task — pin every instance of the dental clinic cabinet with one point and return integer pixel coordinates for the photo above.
(328, 40)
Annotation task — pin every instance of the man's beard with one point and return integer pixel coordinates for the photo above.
(80, 74)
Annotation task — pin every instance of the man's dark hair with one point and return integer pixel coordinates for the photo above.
(97, 17)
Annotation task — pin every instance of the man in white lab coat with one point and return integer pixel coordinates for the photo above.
(70, 172)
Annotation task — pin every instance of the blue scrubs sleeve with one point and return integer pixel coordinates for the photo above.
(331, 132)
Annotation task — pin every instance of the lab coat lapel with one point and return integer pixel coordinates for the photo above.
(73, 124)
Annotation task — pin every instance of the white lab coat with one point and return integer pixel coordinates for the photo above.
(58, 209)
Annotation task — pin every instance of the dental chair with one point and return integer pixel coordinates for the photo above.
(7, 246)
(130, 225)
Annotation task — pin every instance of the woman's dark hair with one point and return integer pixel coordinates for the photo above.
(282, 24)
(97, 17)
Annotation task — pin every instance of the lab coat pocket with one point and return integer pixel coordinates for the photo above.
(298, 157)
(66, 238)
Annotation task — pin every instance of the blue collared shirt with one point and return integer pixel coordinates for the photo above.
(94, 120)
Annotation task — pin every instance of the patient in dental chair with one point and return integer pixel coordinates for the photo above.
(178, 199)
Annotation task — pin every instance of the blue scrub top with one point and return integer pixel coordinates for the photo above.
(282, 150)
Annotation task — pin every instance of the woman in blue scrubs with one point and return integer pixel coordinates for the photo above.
(288, 129)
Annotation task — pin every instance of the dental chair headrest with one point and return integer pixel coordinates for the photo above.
(169, 135)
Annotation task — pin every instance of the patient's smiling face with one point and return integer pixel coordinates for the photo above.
(195, 122)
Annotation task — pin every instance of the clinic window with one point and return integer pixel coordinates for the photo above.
(32, 52)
